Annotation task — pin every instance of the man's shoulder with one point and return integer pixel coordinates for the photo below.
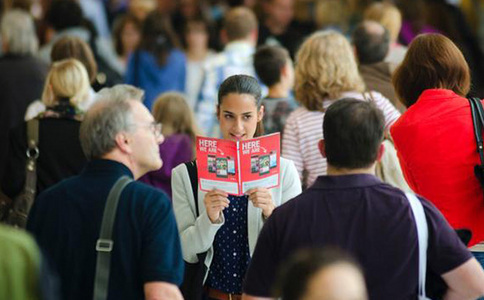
(146, 193)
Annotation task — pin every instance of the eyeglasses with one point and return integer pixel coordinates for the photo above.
(155, 128)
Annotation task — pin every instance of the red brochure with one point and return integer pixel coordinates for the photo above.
(236, 167)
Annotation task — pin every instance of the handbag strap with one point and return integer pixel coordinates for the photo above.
(423, 235)
(193, 174)
(21, 208)
(32, 154)
(104, 244)
(478, 122)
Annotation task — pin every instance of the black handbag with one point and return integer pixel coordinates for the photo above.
(192, 286)
(14, 212)
(478, 121)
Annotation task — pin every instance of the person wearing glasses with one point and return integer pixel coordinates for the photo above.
(119, 138)
(179, 130)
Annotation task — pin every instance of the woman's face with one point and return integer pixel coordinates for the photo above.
(130, 37)
(197, 38)
(238, 116)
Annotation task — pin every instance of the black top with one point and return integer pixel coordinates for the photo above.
(372, 221)
(290, 39)
(61, 155)
(21, 82)
(66, 221)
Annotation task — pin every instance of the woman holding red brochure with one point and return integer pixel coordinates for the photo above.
(227, 226)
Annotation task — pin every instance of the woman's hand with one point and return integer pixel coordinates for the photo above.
(215, 202)
(262, 198)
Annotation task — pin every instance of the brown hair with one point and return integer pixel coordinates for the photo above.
(239, 23)
(158, 37)
(432, 61)
(74, 47)
(171, 110)
(118, 28)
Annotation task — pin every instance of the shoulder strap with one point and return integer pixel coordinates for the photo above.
(135, 67)
(33, 133)
(193, 173)
(478, 121)
(21, 205)
(104, 244)
(422, 233)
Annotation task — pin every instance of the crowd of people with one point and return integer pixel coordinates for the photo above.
(381, 176)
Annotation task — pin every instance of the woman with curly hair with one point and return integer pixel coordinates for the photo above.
(326, 71)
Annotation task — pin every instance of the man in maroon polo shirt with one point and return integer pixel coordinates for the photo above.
(352, 209)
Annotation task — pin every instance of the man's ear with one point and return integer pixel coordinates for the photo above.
(218, 113)
(123, 142)
(322, 147)
(260, 113)
(381, 151)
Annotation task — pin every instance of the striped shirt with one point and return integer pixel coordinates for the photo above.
(304, 129)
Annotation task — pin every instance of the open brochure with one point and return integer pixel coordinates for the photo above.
(236, 167)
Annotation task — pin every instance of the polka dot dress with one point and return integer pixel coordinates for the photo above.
(231, 249)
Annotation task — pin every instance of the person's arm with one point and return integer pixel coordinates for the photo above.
(291, 148)
(291, 184)
(465, 282)
(249, 297)
(162, 291)
(390, 113)
(196, 233)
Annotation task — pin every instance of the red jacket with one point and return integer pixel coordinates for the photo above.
(436, 146)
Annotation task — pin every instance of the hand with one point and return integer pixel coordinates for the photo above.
(215, 202)
(262, 198)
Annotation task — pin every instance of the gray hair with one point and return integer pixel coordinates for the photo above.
(18, 32)
(110, 115)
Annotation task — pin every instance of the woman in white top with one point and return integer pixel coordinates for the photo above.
(326, 71)
(228, 226)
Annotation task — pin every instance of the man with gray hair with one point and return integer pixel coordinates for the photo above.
(120, 138)
(372, 43)
(22, 75)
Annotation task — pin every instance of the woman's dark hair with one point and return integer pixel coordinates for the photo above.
(158, 37)
(74, 47)
(118, 28)
(63, 14)
(295, 275)
(242, 84)
(432, 61)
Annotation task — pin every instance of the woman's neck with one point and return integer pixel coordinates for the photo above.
(197, 54)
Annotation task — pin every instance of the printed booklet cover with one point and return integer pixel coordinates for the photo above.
(236, 167)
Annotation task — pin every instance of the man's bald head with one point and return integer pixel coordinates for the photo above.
(372, 42)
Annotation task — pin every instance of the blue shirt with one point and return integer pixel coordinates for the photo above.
(66, 219)
(231, 249)
(154, 79)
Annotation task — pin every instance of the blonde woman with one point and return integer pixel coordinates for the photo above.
(326, 71)
(60, 154)
(179, 129)
(389, 17)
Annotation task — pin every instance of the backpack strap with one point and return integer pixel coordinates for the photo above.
(193, 174)
(104, 244)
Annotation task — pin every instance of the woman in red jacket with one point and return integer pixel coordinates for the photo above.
(434, 138)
